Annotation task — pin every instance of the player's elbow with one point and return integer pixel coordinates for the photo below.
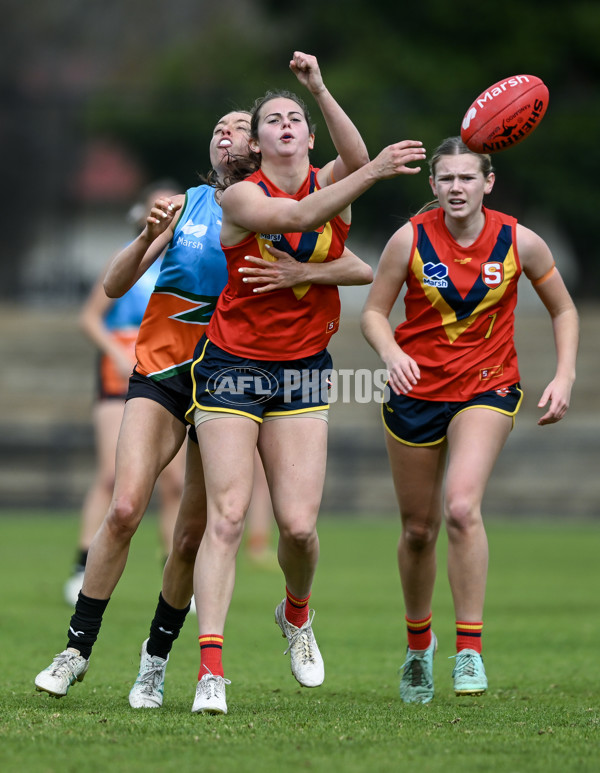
(111, 289)
(360, 159)
(365, 274)
(303, 223)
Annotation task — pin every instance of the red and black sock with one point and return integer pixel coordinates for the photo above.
(211, 655)
(296, 610)
(418, 633)
(468, 636)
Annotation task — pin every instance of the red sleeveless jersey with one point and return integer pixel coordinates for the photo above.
(283, 324)
(459, 307)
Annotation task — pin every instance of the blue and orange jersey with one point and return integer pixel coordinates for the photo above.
(283, 324)
(459, 308)
(192, 276)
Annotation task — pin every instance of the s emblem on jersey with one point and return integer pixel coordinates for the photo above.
(190, 229)
(435, 275)
(492, 274)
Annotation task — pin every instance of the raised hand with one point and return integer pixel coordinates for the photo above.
(161, 216)
(306, 68)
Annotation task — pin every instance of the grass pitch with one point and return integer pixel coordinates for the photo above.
(542, 627)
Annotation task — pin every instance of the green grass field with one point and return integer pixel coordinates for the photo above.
(541, 637)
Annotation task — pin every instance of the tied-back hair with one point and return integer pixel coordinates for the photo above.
(454, 146)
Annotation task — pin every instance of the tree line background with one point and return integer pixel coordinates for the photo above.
(152, 78)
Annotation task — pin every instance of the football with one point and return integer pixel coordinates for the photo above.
(505, 114)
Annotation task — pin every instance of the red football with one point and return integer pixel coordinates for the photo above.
(505, 114)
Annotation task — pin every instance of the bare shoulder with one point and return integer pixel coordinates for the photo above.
(396, 255)
(400, 241)
(238, 192)
(534, 254)
(528, 239)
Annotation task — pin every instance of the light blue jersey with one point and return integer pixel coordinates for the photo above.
(194, 262)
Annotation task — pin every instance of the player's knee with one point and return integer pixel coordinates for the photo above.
(124, 517)
(462, 513)
(300, 536)
(187, 541)
(419, 535)
(228, 526)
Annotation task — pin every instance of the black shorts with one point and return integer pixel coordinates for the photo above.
(163, 392)
(425, 422)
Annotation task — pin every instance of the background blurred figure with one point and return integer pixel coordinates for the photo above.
(258, 544)
(112, 325)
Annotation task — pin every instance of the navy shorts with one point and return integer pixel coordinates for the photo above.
(425, 422)
(163, 392)
(259, 389)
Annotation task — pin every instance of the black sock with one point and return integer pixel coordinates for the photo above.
(81, 558)
(165, 628)
(85, 624)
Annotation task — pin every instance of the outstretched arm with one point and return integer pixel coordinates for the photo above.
(538, 265)
(246, 209)
(285, 271)
(352, 151)
(133, 261)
